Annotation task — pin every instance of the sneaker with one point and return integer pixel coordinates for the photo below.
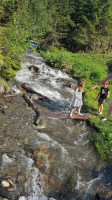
(100, 113)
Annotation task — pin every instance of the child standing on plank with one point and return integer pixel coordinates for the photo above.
(103, 96)
(77, 98)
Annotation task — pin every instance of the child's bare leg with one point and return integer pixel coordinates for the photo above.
(78, 112)
(99, 107)
(71, 111)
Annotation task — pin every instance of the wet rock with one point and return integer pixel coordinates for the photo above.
(1, 101)
(68, 84)
(34, 69)
(103, 193)
(10, 188)
(29, 155)
(5, 90)
(8, 90)
(22, 198)
(22, 151)
(3, 111)
(40, 163)
(6, 159)
(60, 80)
(6, 194)
(34, 97)
(5, 107)
(5, 183)
(9, 194)
(21, 180)
(65, 82)
(2, 89)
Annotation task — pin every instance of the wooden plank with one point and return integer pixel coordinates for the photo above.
(61, 115)
(64, 115)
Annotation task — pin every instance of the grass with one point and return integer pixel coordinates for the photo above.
(92, 68)
(3, 82)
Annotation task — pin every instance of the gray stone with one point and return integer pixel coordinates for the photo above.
(6, 159)
(5, 183)
(2, 89)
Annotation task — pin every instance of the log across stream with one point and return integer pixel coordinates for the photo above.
(62, 115)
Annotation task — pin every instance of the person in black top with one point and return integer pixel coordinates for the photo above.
(101, 82)
(103, 96)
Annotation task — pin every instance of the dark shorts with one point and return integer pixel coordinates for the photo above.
(101, 101)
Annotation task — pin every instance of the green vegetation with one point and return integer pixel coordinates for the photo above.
(83, 66)
(82, 25)
(3, 82)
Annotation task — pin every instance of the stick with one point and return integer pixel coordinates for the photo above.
(30, 102)
(28, 88)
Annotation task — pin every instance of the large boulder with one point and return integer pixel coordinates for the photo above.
(34, 69)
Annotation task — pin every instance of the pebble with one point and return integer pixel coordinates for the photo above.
(5, 183)
(6, 159)
(5, 107)
(3, 199)
(22, 198)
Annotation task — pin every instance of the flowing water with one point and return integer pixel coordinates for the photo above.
(67, 166)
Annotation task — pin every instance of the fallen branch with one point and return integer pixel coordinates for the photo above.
(28, 88)
(11, 189)
(11, 95)
(30, 103)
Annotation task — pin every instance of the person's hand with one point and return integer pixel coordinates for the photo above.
(92, 88)
(85, 91)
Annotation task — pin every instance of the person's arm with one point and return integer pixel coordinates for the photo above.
(104, 80)
(98, 95)
(108, 95)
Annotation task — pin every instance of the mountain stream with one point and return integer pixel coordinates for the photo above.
(56, 159)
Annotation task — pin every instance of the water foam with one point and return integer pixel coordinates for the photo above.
(53, 143)
(51, 88)
(35, 183)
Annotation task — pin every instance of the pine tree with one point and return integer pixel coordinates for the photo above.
(104, 28)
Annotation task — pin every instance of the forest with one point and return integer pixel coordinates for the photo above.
(71, 34)
(84, 25)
